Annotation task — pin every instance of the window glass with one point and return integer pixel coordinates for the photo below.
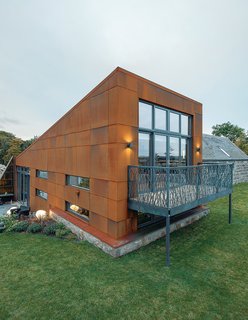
(160, 150)
(160, 119)
(184, 152)
(145, 115)
(42, 174)
(41, 194)
(75, 209)
(174, 151)
(184, 124)
(174, 122)
(144, 149)
(80, 182)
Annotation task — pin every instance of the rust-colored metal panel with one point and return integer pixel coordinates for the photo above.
(91, 141)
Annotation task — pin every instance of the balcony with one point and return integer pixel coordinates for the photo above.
(168, 191)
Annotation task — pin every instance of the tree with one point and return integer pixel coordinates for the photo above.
(10, 146)
(229, 130)
(233, 132)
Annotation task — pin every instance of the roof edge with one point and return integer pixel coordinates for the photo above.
(155, 84)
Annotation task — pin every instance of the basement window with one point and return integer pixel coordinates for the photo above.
(41, 194)
(79, 182)
(42, 174)
(76, 210)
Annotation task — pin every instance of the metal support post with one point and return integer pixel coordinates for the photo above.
(230, 208)
(168, 239)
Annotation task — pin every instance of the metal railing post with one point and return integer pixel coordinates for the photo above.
(167, 237)
(230, 209)
(168, 188)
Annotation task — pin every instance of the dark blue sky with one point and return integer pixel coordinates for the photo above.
(53, 52)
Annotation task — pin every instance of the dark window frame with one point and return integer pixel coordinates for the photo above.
(37, 193)
(38, 172)
(168, 133)
(68, 183)
(84, 217)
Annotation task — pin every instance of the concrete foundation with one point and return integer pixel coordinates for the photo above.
(137, 240)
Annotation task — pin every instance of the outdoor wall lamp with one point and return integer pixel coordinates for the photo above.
(198, 149)
(130, 145)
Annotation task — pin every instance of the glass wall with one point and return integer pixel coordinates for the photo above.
(164, 136)
(23, 185)
(164, 140)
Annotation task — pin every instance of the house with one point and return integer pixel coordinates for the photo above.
(7, 181)
(79, 169)
(222, 150)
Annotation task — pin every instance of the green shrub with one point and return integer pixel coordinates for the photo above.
(2, 226)
(71, 236)
(34, 228)
(8, 222)
(62, 233)
(20, 226)
(50, 229)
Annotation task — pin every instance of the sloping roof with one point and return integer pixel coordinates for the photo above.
(2, 169)
(113, 79)
(220, 148)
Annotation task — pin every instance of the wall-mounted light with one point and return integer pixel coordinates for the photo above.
(130, 145)
(198, 149)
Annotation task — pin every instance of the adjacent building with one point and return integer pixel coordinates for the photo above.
(222, 150)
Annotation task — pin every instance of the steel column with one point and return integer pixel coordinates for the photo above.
(168, 239)
(230, 209)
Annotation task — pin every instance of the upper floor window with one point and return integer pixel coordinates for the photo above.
(153, 117)
(42, 174)
(80, 182)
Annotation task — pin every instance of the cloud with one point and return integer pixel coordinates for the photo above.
(51, 55)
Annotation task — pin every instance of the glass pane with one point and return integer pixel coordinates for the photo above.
(144, 149)
(160, 150)
(160, 119)
(184, 153)
(145, 115)
(174, 122)
(184, 124)
(174, 151)
(73, 208)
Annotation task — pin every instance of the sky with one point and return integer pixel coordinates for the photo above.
(53, 52)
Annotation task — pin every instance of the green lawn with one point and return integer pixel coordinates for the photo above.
(49, 278)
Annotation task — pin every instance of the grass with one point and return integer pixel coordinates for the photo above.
(48, 278)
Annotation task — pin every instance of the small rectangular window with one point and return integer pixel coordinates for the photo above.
(79, 182)
(42, 174)
(41, 194)
(78, 211)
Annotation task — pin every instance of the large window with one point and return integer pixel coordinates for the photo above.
(23, 185)
(41, 194)
(76, 210)
(42, 174)
(79, 182)
(164, 136)
(164, 140)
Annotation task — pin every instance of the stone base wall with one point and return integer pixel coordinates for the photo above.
(139, 241)
(240, 170)
(240, 173)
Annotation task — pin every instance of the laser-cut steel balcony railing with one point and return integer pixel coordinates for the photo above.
(163, 190)
(168, 191)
